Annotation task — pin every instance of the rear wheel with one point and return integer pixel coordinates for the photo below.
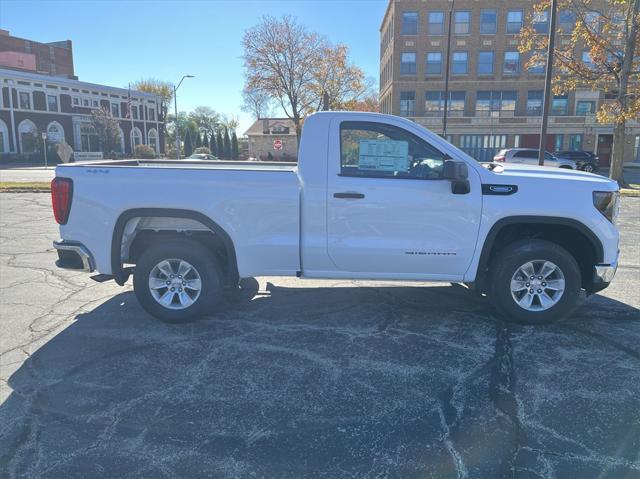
(588, 168)
(177, 280)
(534, 282)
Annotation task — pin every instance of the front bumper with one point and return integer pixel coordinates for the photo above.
(74, 255)
(602, 276)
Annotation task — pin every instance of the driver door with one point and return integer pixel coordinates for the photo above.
(390, 212)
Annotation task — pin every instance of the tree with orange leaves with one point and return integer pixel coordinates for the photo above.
(608, 32)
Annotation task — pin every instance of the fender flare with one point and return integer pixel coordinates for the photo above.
(595, 242)
(120, 275)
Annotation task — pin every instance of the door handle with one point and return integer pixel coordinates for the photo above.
(347, 195)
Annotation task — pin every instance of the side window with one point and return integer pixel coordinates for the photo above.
(378, 150)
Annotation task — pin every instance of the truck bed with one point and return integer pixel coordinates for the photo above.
(190, 164)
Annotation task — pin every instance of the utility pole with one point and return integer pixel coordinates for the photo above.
(547, 83)
(446, 74)
(175, 105)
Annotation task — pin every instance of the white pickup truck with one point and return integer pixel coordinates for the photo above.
(372, 197)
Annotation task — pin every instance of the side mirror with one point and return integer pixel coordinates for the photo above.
(457, 172)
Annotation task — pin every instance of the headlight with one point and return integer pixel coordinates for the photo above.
(607, 203)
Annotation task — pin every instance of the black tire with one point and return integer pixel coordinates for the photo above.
(511, 258)
(200, 258)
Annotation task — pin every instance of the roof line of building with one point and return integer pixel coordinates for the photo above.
(73, 83)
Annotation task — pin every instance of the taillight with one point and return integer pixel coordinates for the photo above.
(499, 158)
(61, 196)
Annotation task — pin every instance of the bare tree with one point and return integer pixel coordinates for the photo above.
(107, 128)
(280, 59)
(256, 101)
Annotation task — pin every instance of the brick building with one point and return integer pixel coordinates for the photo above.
(272, 139)
(494, 101)
(41, 94)
(32, 104)
(53, 58)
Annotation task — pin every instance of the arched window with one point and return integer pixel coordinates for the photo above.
(4, 137)
(136, 137)
(55, 132)
(28, 135)
(89, 138)
(153, 139)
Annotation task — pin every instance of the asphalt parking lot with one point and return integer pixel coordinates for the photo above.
(309, 378)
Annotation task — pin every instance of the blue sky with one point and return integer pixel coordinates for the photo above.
(116, 42)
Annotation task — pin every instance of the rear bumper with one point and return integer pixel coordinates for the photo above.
(74, 255)
(602, 276)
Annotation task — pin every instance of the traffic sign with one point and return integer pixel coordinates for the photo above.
(277, 144)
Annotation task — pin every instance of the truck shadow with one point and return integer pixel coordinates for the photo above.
(297, 381)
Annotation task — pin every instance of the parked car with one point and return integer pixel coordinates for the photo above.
(529, 156)
(585, 160)
(201, 156)
(373, 197)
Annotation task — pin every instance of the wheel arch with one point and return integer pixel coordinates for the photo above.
(120, 275)
(555, 229)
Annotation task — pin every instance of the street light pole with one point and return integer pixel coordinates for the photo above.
(175, 105)
(547, 83)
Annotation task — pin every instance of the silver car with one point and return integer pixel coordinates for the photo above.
(529, 156)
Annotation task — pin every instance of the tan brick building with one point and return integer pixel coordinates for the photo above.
(494, 101)
(272, 139)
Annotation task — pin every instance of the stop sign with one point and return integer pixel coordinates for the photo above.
(277, 144)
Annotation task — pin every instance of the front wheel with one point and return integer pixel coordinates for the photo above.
(589, 168)
(177, 280)
(534, 282)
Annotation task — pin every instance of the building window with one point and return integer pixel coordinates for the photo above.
(460, 63)
(408, 103)
(560, 105)
(511, 63)
(592, 21)
(534, 102)
(559, 141)
(482, 147)
(95, 103)
(584, 108)
(434, 63)
(436, 23)
(134, 111)
(540, 22)
(485, 63)
(152, 114)
(537, 67)
(488, 22)
(434, 103)
(115, 110)
(76, 101)
(409, 23)
(52, 102)
(85, 102)
(496, 103)
(514, 21)
(462, 23)
(89, 138)
(575, 142)
(4, 137)
(408, 63)
(28, 136)
(136, 137)
(636, 151)
(153, 139)
(567, 21)
(586, 59)
(55, 132)
(25, 100)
